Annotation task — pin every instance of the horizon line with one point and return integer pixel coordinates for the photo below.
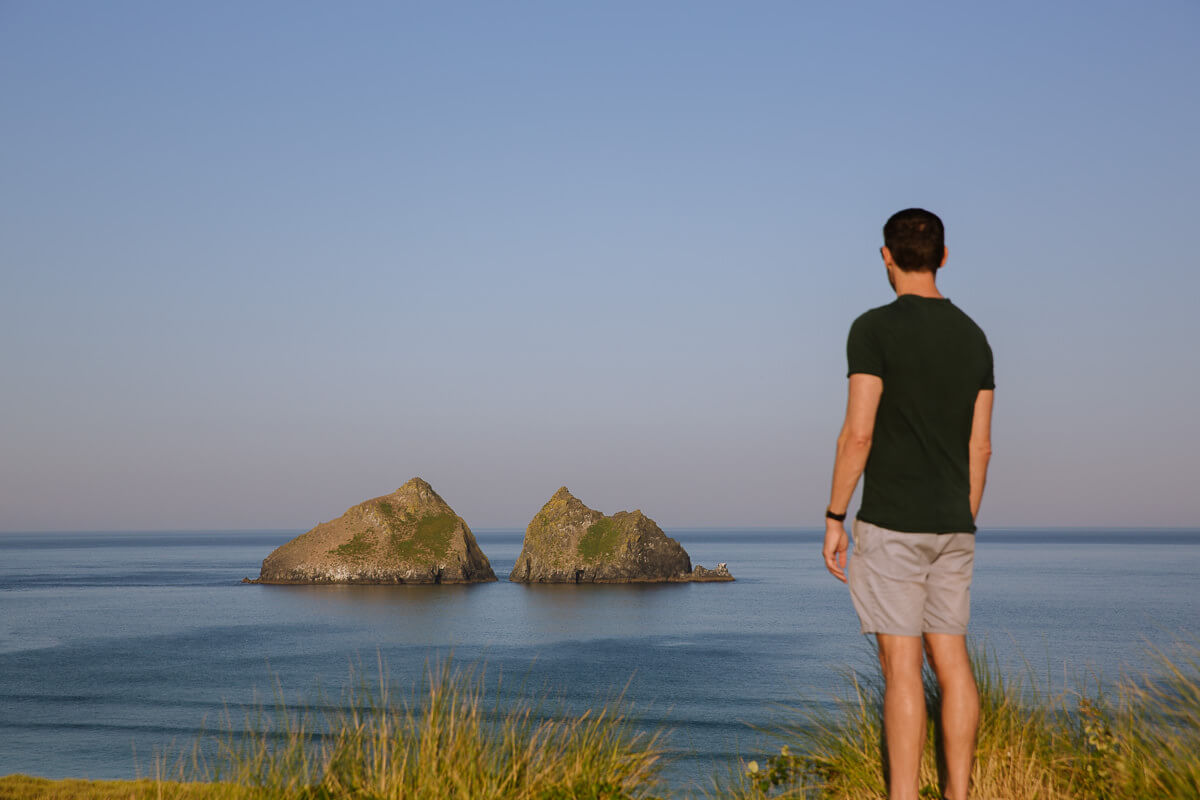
(698, 528)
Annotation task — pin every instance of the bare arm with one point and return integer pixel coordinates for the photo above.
(980, 447)
(853, 447)
(854, 442)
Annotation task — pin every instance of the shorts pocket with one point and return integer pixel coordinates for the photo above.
(862, 542)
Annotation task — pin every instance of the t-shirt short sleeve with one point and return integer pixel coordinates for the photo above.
(989, 377)
(863, 353)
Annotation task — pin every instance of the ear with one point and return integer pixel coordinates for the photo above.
(945, 255)
(887, 256)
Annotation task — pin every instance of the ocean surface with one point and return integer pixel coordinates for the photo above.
(118, 646)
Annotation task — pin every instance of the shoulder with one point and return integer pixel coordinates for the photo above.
(872, 318)
(972, 337)
(968, 323)
(865, 350)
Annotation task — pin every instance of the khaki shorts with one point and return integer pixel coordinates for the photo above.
(908, 584)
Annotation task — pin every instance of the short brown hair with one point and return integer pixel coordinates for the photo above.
(916, 239)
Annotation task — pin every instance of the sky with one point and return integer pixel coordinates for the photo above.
(261, 261)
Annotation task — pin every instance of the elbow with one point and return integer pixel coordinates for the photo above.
(981, 450)
(856, 440)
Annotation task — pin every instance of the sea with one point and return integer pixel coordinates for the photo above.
(120, 648)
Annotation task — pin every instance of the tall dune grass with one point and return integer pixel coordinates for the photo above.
(446, 742)
(1079, 745)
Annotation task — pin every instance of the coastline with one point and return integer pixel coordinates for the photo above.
(135, 639)
(1145, 742)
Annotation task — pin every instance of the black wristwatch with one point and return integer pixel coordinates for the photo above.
(830, 515)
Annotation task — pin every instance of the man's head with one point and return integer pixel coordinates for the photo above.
(915, 240)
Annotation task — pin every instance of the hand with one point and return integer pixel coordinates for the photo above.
(834, 551)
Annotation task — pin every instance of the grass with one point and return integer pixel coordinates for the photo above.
(447, 741)
(24, 787)
(391, 517)
(411, 537)
(441, 743)
(434, 531)
(1080, 745)
(360, 546)
(601, 539)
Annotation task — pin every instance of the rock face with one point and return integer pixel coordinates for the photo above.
(721, 573)
(567, 542)
(408, 536)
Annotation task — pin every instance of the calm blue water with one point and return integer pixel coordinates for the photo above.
(113, 644)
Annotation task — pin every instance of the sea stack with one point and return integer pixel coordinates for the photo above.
(408, 536)
(567, 542)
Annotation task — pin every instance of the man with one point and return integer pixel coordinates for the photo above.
(918, 421)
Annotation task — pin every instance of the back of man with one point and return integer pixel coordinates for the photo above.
(918, 422)
(933, 361)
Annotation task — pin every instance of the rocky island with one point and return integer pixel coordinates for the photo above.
(408, 536)
(567, 542)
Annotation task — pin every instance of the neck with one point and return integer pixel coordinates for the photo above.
(921, 284)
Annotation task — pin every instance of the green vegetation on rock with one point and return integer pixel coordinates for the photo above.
(601, 539)
(428, 536)
(567, 542)
(360, 546)
(433, 532)
(539, 530)
(394, 520)
(408, 536)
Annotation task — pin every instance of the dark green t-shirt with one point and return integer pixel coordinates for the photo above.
(933, 360)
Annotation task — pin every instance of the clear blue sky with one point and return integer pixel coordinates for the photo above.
(261, 261)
